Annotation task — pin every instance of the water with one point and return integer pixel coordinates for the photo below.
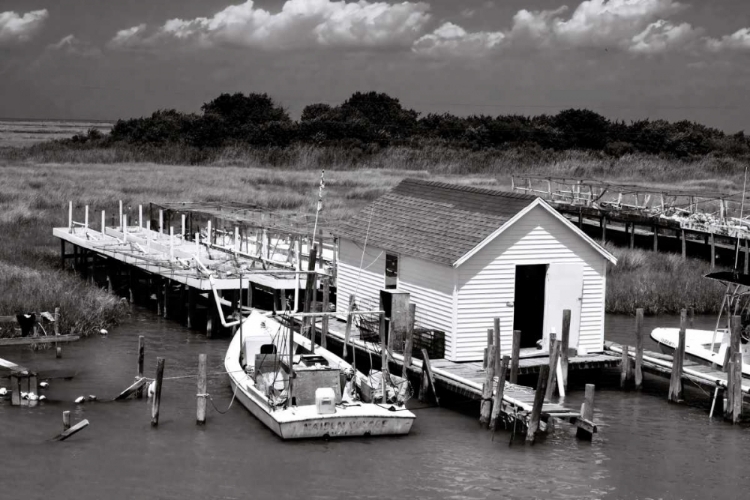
(646, 447)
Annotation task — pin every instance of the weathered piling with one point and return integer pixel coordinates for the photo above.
(348, 330)
(427, 381)
(486, 406)
(638, 348)
(486, 358)
(734, 383)
(202, 390)
(587, 415)
(536, 409)
(409, 343)
(15, 390)
(565, 347)
(496, 341)
(553, 360)
(625, 367)
(66, 420)
(497, 398)
(675, 382)
(72, 430)
(515, 356)
(141, 358)
(157, 393)
(326, 306)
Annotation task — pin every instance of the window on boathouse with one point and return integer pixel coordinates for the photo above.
(391, 270)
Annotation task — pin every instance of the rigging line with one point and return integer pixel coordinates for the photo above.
(742, 208)
(364, 248)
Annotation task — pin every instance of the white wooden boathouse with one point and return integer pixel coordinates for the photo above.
(467, 255)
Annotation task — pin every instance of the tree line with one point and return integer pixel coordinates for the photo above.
(369, 119)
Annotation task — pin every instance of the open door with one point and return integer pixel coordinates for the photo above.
(528, 303)
(564, 291)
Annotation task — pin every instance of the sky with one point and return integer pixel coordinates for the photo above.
(626, 59)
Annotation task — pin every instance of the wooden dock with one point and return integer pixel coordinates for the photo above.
(467, 379)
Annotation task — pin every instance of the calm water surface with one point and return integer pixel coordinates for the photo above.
(646, 448)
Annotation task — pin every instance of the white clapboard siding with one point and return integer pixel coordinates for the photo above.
(430, 287)
(486, 282)
(367, 283)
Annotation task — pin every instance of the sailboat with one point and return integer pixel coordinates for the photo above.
(710, 346)
(300, 394)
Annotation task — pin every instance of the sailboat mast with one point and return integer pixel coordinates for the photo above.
(291, 362)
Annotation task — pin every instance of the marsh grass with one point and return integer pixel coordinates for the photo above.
(660, 283)
(34, 198)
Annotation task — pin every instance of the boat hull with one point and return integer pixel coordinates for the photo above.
(697, 346)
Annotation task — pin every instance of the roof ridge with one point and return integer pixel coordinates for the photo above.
(467, 188)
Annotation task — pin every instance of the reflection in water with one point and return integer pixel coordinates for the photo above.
(646, 449)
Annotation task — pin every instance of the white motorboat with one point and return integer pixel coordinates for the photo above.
(327, 397)
(710, 347)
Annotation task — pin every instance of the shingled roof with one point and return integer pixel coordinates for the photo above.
(434, 221)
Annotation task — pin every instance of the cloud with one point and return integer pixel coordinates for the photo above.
(72, 46)
(16, 28)
(299, 24)
(451, 40)
(739, 40)
(663, 36)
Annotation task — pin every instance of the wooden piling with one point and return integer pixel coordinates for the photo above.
(683, 238)
(632, 235)
(15, 390)
(565, 347)
(536, 409)
(73, 430)
(141, 357)
(496, 341)
(157, 394)
(497, 398)
(349, 321)
(326, 306)
(587, 414)
(656, 238)
(603, 225)
(202, 390)
(553, 360)
(675, 382)
(638, 348)
(713, 250)
(409, 344)
(485, 359)
(383, 359)
(165, 298)
(489, 375)
(66, 420)
(625, 373)
(515, 356)
(427, 381)
(192, 299)
(735, 375)
(734, 348)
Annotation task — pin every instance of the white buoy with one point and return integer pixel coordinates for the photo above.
(42, 397)
(92, 397)
(79, 400)
(24, 395)
(33, 397)
(43, 385)
(152, 388)
(3, 391)
(103, 331)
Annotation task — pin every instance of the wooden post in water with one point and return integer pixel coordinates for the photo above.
(409, 344)
(427, 380)
(554, 353)
(141, 357)
(515, 356)
(349, 320)
(632, 235)
(536, 409)
(497, 398)
(684, 244)
(734, 348)
(735, 374)
(625, 373)
(326, 306)
(565, 347)
(489, 375)
(713, 250)
(192, 296)
(603, 224)
(157, 394)
(675, 382)
(587, 412)
(638, 348)
(15, 390)
(202, 390)
(66, 420)
(165, 296)
(383, 360)
(656, 238)
(486, 360)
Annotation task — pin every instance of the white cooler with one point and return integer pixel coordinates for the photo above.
(325, 400)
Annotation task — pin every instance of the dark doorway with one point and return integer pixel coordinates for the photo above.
(528, 313)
